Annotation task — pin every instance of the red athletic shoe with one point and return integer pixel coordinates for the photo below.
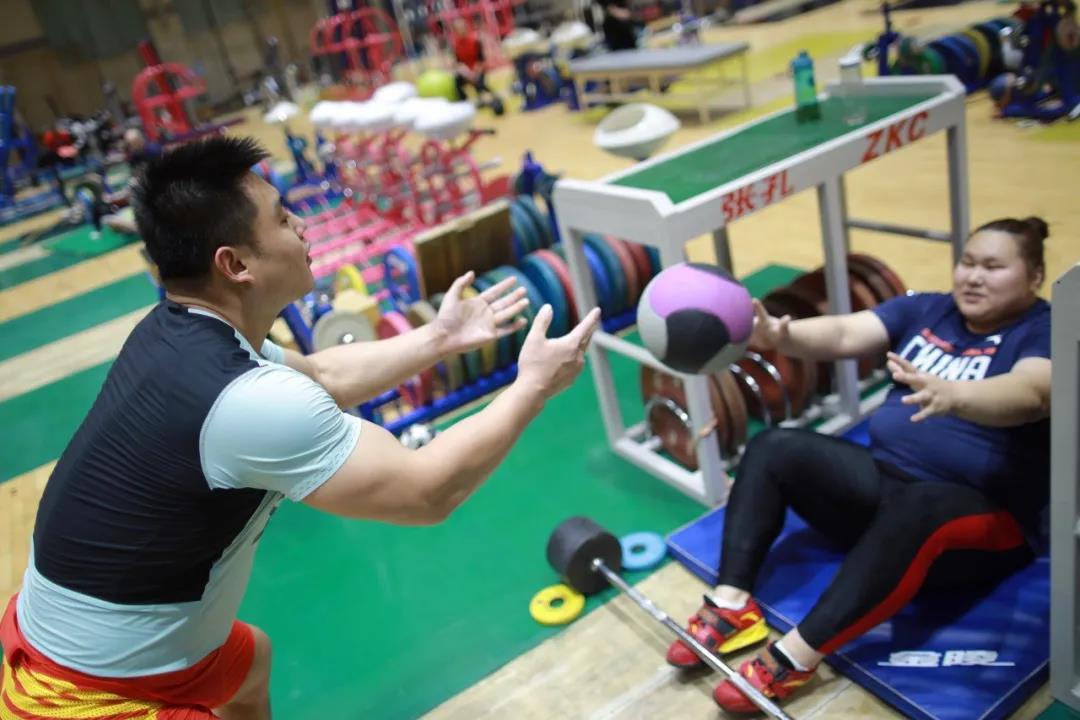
(720, 630)
(764, 672)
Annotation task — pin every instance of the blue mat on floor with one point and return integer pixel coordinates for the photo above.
(946, 656)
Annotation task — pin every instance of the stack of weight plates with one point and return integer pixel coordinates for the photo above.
(666, 415)
(531, 226)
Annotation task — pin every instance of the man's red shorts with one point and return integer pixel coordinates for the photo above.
(33, 687)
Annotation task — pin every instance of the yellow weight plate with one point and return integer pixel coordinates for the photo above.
(488, 353)
(556, 605)
(421, 313)
(349, 278)
(358, 302)
(984, 50)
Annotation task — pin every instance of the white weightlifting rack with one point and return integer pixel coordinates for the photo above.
(650, 217)
(1064, 498)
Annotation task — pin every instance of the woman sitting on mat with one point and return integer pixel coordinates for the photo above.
(950, 492)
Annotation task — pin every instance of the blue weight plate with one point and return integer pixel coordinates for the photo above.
(525, 222)
(536, 240)
(956, 62)
(547, 282)
(614, 270)
(603, 283)
(970, 51)
(521, 239)
(599, 275)
(400, 276)
(642, 550)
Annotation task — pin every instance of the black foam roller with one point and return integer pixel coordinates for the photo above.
(572, 547)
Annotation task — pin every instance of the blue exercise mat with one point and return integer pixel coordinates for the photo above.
(946, 656)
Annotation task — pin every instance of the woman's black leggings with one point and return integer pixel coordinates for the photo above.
(900, 533)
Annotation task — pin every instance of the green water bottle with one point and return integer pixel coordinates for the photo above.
(806, 102)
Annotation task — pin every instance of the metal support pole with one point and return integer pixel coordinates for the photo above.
(836, 280)
(600, 364)
(959, 201)
(1064, 495)
(722, 249)
(845, 226)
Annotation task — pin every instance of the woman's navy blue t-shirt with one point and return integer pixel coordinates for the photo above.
(1010, 465)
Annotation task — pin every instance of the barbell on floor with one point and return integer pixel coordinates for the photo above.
(588, 557)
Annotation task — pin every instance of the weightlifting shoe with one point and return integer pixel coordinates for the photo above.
(765, 671)
(721, 631)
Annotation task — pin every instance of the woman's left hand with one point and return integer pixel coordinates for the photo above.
(467, 323)
(933, 395)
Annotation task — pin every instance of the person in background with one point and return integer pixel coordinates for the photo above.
(468, 48)
(620, 31)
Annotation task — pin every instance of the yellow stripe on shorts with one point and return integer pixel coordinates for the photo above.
(25, 695)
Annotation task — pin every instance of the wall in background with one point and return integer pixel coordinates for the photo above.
(49, 81)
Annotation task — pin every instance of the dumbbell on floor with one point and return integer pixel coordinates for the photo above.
(589, 557)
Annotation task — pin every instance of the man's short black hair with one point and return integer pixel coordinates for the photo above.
(190, 201)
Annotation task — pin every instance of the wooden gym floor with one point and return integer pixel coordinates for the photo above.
(610, 662)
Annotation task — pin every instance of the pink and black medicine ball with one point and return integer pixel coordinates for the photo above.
(695, 318)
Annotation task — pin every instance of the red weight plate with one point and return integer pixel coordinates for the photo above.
(562, 270)
(736, 410)
(870, 276)
(642, 264)
(782, 302)
(885, 271)
(862, 297)
(671, 387)
(629, 269)
(772, 395)
(801, 376)
(794, 303)
(812, 287)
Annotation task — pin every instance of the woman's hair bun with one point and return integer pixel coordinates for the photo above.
(1038, 227)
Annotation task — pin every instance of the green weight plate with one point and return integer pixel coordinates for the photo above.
(540, 220)
(547, 283)
(654, 258)
(522, 225)
(932, 63)
(516, 340)
(614, 271)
